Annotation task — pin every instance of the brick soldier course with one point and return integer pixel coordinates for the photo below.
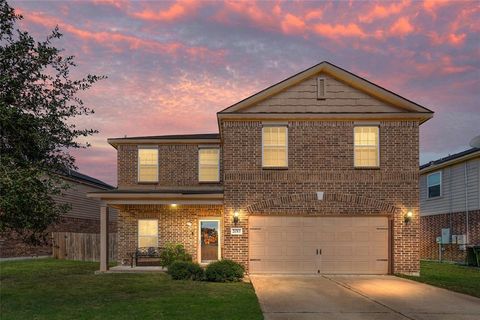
(320, 159)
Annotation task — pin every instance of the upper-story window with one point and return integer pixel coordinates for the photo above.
(434, 184)
(275, 146)
(147, 164)
(209, 165)
(366, 149)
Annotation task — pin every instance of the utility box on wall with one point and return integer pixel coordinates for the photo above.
(446, 236)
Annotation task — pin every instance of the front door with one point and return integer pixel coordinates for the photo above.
(209, 240)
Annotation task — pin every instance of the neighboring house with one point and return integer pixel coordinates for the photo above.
(450, 201)
(315, 174)
(83, 217)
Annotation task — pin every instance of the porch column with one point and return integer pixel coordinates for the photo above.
(103, 237)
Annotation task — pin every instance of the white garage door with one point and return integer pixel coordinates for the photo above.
(328, 245)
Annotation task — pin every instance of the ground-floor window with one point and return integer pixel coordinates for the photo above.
(147, 233)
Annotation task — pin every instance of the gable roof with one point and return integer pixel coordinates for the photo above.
(450, 159)
(340, 74)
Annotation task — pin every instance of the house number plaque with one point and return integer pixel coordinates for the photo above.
(236, 231)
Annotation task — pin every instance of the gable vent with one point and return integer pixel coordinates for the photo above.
(321, 88)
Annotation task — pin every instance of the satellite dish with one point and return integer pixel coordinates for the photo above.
(475, 142)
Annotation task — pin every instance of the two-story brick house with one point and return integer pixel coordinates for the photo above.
(315, 174)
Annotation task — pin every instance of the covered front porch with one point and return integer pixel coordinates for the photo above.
(149, 220)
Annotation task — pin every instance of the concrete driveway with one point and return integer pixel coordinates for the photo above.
(358, 298)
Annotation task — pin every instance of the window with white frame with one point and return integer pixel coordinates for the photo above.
(434, 184)
(147, 164)
(275, 146)
(147, 233)
(366, 146)
(209, 165)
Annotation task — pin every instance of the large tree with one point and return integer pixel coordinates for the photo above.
(38, 100)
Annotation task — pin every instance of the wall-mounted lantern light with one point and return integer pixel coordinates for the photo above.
(408, 216)
(173, 205)
(235, 217)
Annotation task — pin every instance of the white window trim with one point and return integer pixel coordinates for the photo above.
(286, 145)
(138, 163)
(199, 254)
(378, 146)
(138, 230)
(440, 184)
(218, 166)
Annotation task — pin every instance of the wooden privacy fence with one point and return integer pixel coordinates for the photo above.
(82, 246)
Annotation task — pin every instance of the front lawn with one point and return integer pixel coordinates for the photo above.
(59, 289)
(450, 276)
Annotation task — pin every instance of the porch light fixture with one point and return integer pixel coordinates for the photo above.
(408, 217)
(173, 205)
(235, 217)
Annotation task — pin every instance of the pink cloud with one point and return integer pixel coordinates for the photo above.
(292, 24)
(251, 10)
(401, 27)
(432, 5)
(114, 40)
(381, 11)
(314, 14)
(335, 31)
(179, 9)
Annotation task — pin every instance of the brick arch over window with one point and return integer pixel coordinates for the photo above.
(310, 202)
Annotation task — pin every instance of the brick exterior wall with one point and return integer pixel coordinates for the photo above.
(172, 225)
(12, 245)
(321, 159)
(177, 167)
(431, 227)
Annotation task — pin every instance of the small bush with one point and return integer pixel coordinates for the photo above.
(173, 252)
(186, 270)
(223, 271)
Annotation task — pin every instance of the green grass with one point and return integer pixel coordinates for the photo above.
(59, 289)
(450, 276)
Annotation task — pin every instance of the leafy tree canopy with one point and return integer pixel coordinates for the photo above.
(38, 100)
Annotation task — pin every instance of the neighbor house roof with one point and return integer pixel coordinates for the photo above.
(176, 138)
(75, 175)
(450, 159)
(412, 109)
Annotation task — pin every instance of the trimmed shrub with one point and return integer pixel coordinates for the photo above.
(223, 271)
(186, 270)
(173, 252)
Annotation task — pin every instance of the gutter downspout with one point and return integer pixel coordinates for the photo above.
(466, 202)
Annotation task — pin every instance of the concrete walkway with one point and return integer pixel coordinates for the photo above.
(359, 298)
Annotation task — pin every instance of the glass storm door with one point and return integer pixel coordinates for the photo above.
(209, 240)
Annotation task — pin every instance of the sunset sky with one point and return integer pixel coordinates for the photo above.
(172, 65)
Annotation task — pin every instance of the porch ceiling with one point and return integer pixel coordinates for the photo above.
(159, 197)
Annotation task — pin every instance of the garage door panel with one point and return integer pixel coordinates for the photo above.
(326, 236)
(274, 235)
(309, 235)
(293, 235)
(361, 236)
(293, 221)
(343, 236)
(378, 222)
(349, 245)
(257, 237)
(275, 252)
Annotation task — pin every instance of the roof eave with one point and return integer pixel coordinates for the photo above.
(420, 116)
(117, 141)
(442, 165)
